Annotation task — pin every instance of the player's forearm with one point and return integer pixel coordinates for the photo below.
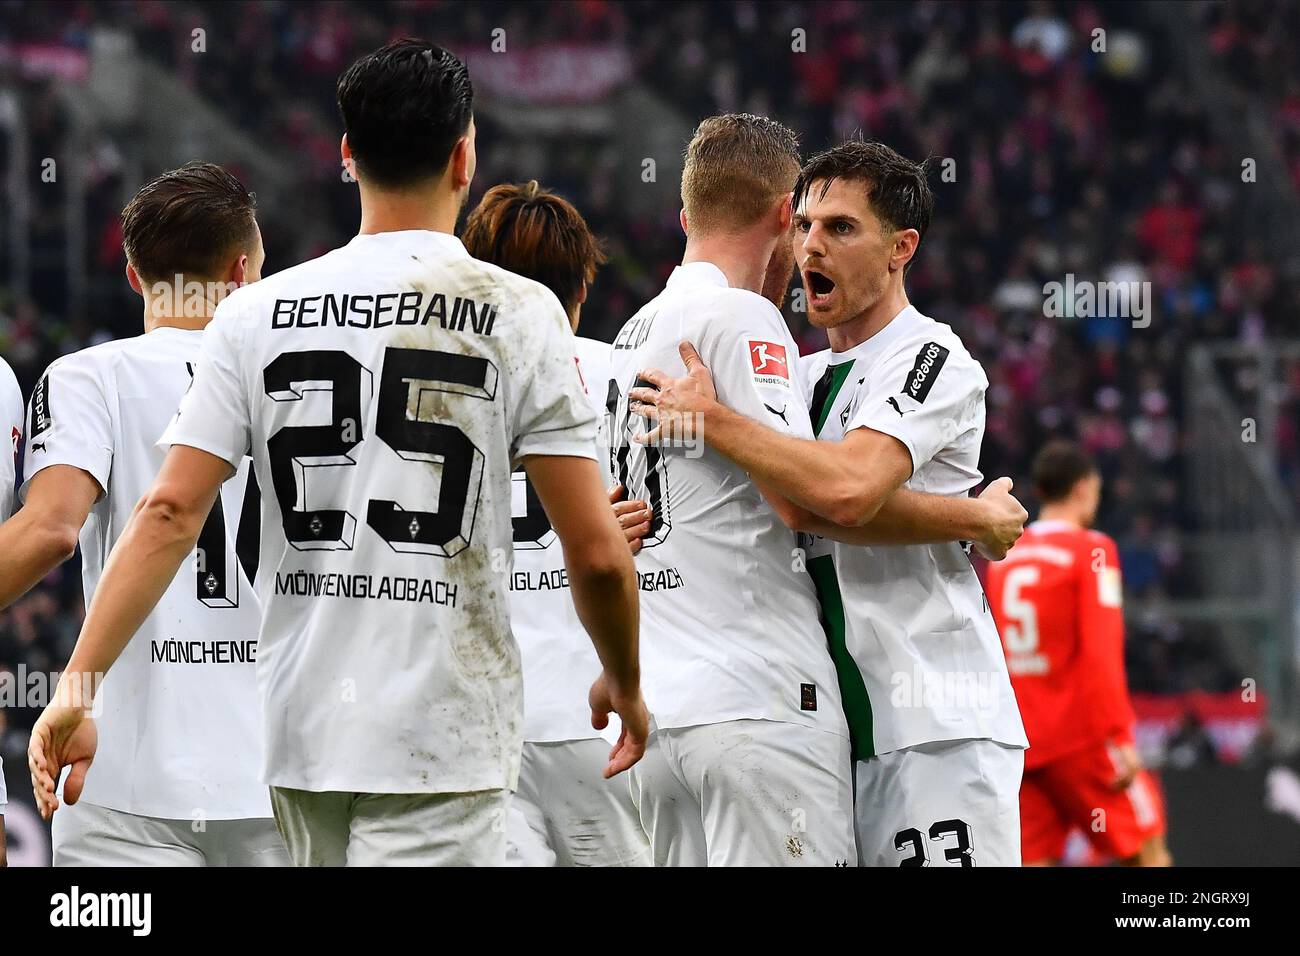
(602, 580)
(913, 517)
(30, 548)
(141, 566)
(814, 475)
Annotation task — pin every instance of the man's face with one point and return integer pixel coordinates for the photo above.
(842, 251)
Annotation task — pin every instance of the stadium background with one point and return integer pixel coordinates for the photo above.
(1165, 149)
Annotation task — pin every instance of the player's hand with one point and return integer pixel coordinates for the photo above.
(607, 697)
(676, 406)
(634, 517)
(1004, 522)
(64, 736)
(1128, 765)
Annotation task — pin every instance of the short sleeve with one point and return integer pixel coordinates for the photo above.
(214, 414)
(925, 396)
(11, 408)
(68, 423)
(553, 415)
(754, 365)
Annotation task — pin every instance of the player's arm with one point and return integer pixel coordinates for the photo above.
(163, 529)
(849, 490)
(43, 533)
(993, 521)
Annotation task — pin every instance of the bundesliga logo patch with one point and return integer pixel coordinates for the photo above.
(770, 363)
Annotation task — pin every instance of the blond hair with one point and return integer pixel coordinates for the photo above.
(737, 166)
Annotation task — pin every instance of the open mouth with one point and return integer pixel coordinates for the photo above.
(819, 285)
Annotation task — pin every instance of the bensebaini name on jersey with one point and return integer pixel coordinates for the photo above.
(74, 908)
(382, 310)
(366, 587)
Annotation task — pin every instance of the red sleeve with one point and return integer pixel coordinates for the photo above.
(1101, 634)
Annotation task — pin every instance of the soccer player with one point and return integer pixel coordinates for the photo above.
(897, 402)
(11, 421)
(385, 392)
(749, 758)
(564, 813)
(175, 782)
(1057, 599)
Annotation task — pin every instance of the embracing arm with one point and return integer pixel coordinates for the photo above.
(43, 533)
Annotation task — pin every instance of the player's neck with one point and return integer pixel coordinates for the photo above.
(737, 256)
(1058, 512)
(399, 210)
(862, 327)
(158, 314)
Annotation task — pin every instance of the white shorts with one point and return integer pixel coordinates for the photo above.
(392, 829)
(85, 834)
(746, 793)
(566, 813)
(950, 803)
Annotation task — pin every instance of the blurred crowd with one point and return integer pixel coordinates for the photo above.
(1048, 155)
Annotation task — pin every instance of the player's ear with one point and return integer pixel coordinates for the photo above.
(133, 279)
(681, 217)
(905, 243)
(785, 215)
(582, 293)
(461, 168)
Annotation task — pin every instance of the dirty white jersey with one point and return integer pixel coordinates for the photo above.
(729, 617)
(559, 660)
(11, 423)
(914, 641)
(385, 391)
(179, 724)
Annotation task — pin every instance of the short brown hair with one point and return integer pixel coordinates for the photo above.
(737, 166)
(537, 234)
(1058, 468)
(187, 222)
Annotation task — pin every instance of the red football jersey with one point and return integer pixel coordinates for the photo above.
(1057, 600)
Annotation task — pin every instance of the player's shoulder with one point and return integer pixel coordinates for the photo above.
(933, 351)
(919, 330)
(97, 360)
(1091, 538)
(592, 351)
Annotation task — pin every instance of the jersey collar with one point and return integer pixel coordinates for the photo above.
(873, 347)
(694, 275)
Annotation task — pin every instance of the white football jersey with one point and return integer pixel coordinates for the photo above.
(11, 422)
(917, 651)
(729, 618)
(179, 730)
(386, 390)
(559, 660)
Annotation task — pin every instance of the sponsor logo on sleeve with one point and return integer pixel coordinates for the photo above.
(807, 696)
(41, 407)
(929, 361)
(770, 363)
